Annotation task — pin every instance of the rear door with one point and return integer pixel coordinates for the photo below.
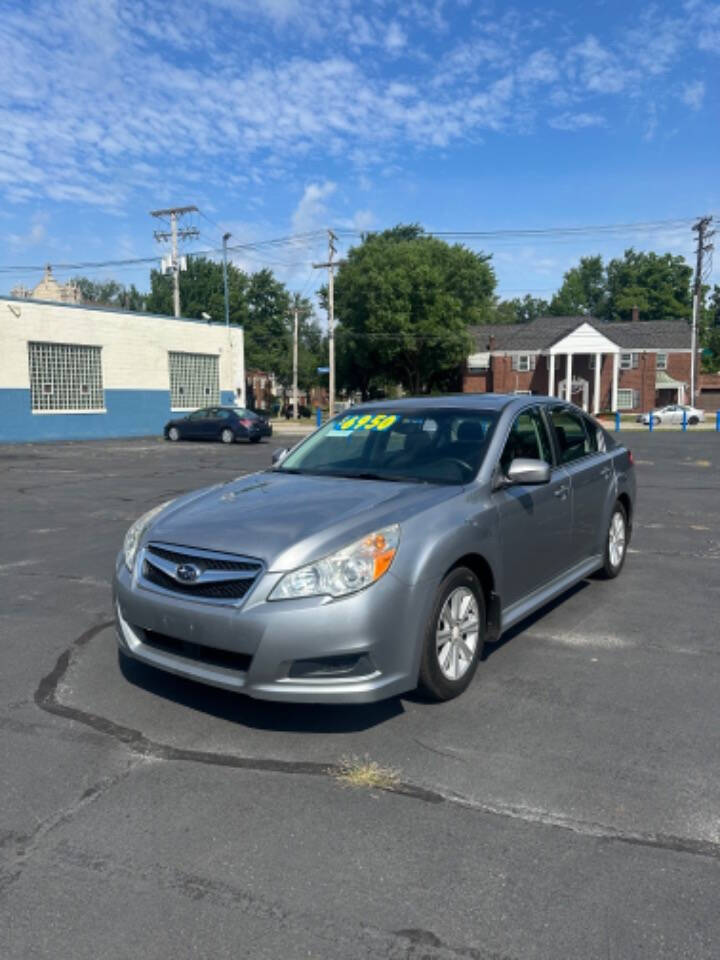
(590, 471)
(534, 521)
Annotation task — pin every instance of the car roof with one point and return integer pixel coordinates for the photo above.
(476, 401)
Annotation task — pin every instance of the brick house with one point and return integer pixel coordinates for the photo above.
(599, 366)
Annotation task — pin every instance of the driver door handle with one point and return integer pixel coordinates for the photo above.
(561, 491)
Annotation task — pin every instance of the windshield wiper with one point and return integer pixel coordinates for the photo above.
(389, 478)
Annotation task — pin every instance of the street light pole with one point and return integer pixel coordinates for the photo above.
(226, 237)
(295, 365)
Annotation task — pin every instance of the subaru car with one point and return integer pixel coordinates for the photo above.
(381, 553)
(226, 424)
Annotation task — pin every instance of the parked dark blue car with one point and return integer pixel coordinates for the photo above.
(226, 424)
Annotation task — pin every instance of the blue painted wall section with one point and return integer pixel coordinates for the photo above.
(130, 413)
(227, 397)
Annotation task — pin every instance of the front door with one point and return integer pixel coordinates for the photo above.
(534, 520)
(196, 424)
(590, 470)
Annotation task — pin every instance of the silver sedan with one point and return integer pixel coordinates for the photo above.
(381, 553)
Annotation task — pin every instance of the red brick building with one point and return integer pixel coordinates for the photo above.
(599, 366)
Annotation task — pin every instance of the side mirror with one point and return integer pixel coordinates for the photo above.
(279, 455)
(526, 471)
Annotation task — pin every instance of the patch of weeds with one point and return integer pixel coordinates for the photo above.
(364, 772)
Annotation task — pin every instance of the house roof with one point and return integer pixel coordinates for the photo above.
(542, 333)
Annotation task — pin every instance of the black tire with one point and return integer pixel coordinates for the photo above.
(432, 680)
(693, 420)
(609, 569)
(227, 436)
(656, 421)
(173, 434)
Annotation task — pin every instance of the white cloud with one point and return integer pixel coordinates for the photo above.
(599, 69)
(395, 38)
(311, 209)
(577, 121)
(693, 94)
(35, 236)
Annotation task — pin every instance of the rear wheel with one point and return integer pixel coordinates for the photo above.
(227, 436)
(656, 420)
(454, 636)
(693, 420)
(173, 434)
(615, 543)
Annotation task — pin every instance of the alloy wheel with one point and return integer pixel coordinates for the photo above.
(616, 539)
(457, 633)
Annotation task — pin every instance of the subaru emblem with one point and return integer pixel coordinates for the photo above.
(187, 572)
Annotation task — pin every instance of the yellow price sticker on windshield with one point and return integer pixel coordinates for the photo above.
(381, 421)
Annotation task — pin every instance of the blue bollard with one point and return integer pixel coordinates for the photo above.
(318, 416)
(717, 421)
(684, 420)
(650, 422)
(617, 421)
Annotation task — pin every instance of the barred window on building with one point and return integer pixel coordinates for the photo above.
(65, 378)
(194, 380)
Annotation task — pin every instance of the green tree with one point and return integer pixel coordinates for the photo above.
(110, 293)
(403, 301)
(709, 333)
(583, 291)
(659, 285)
(520, 310)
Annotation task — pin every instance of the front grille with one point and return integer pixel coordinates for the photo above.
(196, 651)
(207, 562)
(224, 590)
(221, 577)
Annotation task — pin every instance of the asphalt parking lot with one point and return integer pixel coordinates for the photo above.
(567, 806)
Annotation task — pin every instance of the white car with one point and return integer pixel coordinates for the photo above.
(673, 413)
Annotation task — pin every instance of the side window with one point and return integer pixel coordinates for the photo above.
(572, 436)
(527, 438)
(199, 415)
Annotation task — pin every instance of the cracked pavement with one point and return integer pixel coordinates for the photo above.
(568, 805)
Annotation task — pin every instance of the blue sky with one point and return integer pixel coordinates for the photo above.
(279, 117)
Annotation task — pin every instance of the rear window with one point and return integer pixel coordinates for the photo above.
(432, 445)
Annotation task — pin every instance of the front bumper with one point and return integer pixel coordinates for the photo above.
(281, 650)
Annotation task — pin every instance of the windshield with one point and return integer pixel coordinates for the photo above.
(422, 446)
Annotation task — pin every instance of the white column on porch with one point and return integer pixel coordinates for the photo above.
(551, 376)
(568, 378)
(616, 367)
(596, 390)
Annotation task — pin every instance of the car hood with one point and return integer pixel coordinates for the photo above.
(286, 520)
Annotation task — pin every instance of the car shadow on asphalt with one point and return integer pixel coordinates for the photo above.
(302, 717)
(259, 714)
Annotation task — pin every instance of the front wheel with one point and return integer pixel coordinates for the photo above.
(227, 436)
(173, 434)
(454, 636)
(693, 420)
(615, 543)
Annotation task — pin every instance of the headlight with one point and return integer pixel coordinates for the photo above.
(134, 534)
(344, 572)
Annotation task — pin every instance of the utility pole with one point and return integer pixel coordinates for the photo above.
(330, 265)
(295, 364)
(173, 236)
(702, 228)
(226, 237)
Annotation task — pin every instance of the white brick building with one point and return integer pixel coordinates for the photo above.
(75, 371)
